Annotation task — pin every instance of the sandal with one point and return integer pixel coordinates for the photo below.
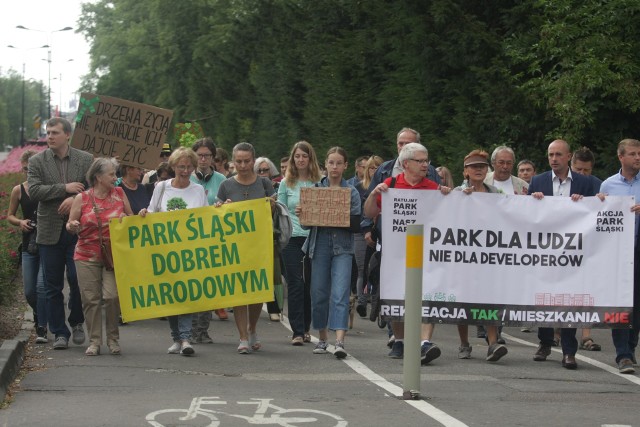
(306, 338)
(92, 350)
(589, 345)
(114, 348)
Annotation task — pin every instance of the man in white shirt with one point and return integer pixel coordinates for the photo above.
(502, 160)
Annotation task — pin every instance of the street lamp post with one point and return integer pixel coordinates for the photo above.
(23, 93)
(22, 114)
(49, 34)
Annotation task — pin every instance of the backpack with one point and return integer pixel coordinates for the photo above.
(376, 232)
(282, 227)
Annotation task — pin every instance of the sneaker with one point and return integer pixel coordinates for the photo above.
(464, 352)
(297, 341)
(428, 352)
(397, 350)
(77, 334)
(243, 347)
(186, 349)
(340, 352)
(61, 343)
(542, 353)
(362, 310)
(41, 332)
(495, 352)
(625, 366)
(525, 329)
(175, 348)
(254, 342)
(501, 340)
(222, 314)
(321, 348)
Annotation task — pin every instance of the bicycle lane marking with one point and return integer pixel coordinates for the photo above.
(593, 362)
(364, 371)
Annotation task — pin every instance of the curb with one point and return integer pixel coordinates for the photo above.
(12, 355)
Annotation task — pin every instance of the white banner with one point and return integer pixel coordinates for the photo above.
(512, 260)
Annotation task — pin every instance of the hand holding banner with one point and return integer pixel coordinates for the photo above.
(193, 260)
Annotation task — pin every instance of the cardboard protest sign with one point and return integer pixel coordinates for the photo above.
(110, 127)
(193, 260)
(325, 206)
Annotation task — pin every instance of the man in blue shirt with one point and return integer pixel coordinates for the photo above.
(627, 183)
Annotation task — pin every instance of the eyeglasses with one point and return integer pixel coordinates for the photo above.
(217, 159)
(204, 156)
(264, 170)
(183, 168)
(165, 154)
(421, 161)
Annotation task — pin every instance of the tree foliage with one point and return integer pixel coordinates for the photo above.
(352, 73)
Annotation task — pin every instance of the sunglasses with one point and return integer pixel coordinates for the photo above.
(263, 170)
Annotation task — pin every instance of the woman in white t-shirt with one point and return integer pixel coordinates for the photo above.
(173, 194)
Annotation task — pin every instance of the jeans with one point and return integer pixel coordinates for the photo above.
(200, 323)
(34, 292)
(180, 327)
(53, 260)
(626, 340)
(360, 251)
(298, 292)
(330, 285)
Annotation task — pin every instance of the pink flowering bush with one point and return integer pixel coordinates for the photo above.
(10, 237)
(12, 163)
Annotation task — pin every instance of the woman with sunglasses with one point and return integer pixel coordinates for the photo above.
(266, 169)
(207, 176)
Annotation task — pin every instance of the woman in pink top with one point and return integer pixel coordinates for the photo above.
(89, 217)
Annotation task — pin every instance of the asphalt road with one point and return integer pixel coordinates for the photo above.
(145, 386)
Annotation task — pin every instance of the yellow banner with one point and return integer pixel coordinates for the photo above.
(193, 260)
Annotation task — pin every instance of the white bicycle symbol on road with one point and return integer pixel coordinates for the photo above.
(278, 416)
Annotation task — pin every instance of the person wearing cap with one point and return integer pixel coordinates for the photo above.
(476, 166)
(414, 161)
(502, 159)
(151, 177)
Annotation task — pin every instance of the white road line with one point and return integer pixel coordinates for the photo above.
(422, 406)
(596, 363)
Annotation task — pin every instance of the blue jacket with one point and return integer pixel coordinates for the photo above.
(342, 237)
(580, 184)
